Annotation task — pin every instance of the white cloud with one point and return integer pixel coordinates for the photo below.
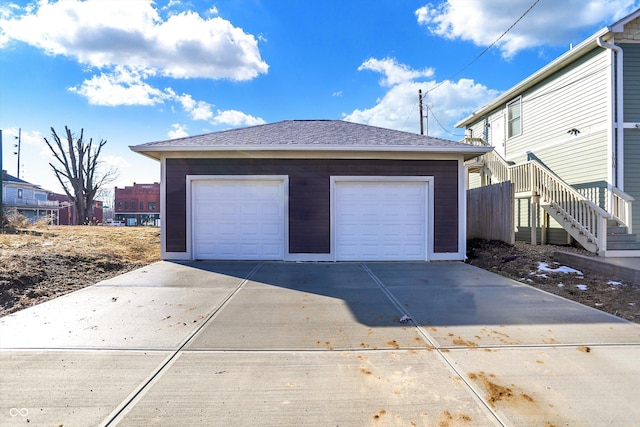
(198, 110)
(177, 131)
(132, 34)
(236, 118)
(548, 23)
(124, 86)
(202, 110)
(33, 138)
(393, 72)
(110, 162)
(397, 109)
(129, 42)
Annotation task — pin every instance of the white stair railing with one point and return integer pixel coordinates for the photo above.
(581, 217)
(495, 167)
(621, 204)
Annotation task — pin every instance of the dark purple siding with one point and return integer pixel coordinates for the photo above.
(309, 194)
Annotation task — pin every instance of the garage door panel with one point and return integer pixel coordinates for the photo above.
(271, 230)
(241, 219)
(380, 220)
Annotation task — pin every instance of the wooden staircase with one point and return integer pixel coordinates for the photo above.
(607, 233)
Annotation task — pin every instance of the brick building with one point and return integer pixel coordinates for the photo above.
(138, 204)
(67, 213)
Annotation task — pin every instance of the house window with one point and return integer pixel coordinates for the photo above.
(152, 206)
(19, 193)
(119, 206)
(141, 206)
(514, 118)
(126, 206)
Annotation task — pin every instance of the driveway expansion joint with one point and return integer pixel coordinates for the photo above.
(164, 366)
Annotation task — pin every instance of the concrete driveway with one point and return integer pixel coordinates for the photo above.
(317, 344)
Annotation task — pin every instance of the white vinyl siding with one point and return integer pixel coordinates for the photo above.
(577, 97)
(473, 181)
(477, 131)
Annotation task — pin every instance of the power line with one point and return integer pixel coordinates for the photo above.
(438, 121)
(409, 115)
(473, 60)
(486, 49)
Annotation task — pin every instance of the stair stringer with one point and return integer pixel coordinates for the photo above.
(571, 226)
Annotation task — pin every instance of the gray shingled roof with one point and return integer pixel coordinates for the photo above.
(308, 135)
(11, 178)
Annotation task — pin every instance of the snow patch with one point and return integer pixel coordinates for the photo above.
(543, 266)
(614, 283)
(582, 287)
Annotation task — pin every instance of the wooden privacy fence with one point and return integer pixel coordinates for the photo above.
(490, 213)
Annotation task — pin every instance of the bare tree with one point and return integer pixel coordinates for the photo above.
(78, 170)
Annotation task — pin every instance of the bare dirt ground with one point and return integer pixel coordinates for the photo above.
(522, 262)
(41, 263)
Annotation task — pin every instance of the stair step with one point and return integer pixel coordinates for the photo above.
(622, 238)
(616, 230)
(623, 246)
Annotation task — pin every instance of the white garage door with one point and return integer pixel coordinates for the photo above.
(380, 221)
(238, 219)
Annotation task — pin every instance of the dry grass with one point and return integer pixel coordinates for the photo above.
(127, 244)
(43, 262)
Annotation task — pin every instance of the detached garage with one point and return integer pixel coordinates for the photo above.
(312, 190)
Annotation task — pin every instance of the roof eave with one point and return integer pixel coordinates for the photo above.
(468, 152)
(535, 78)
(618, 27)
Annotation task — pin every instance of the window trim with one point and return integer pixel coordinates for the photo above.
(510, 120)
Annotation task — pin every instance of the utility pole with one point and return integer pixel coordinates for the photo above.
(420, 104)
(422, 115)
(19, 138)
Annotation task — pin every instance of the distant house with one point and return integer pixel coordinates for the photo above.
(312, 190)
(27, 199)
(68, 215)
(138, 204)
(568, 137)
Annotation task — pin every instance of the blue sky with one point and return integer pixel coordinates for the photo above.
(138, 71)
